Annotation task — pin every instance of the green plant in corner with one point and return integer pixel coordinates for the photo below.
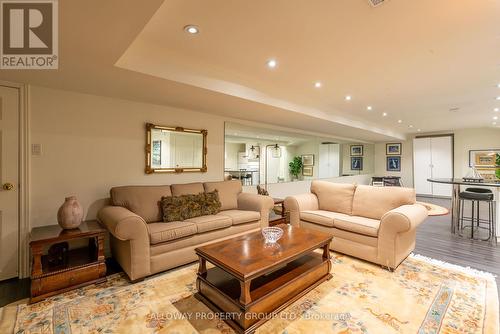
(497, 172)
(295, 167)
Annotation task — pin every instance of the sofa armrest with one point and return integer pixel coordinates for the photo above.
(123, 224)
(396, 235)
(295, 204)
(403, 219)
(254, 202)
(130, 244)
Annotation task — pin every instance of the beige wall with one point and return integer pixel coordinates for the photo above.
(368, 159)
(473, 139)
(465, 140)
(92, 143)
(406, 173)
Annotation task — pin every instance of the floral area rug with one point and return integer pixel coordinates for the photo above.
(421, 296)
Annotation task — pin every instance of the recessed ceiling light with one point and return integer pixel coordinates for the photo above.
(418, 130)
(317, 84)
(498, 98)
(384, 114)
(348, 98)
(369, 108)
(498, 85)
(272, 63)
(495, 117)
(410, 126)
(400, 121)
(191, 29)
(496, 109)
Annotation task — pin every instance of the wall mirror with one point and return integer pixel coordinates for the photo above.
(257, 156)
(175, 149)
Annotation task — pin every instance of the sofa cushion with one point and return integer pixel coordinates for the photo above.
(210, 223)
(240, 216)
(321, 217)
(374, 202)
(356, 224)
(336, 197)
(187, 189)
(228, 192)
(211, 203)
(162, 232)
(141, 200)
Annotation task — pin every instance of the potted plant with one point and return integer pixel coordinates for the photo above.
(295, 167)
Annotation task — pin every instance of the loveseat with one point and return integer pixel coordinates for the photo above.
(376, 224)
(144, 245)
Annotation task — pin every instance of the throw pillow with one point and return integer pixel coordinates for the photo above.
(179, 208)
(193, 205)
(172, 208)
(212, 204)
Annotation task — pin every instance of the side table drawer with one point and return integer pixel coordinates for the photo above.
(65, 280)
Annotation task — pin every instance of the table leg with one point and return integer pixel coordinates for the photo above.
(326, 252)
(455, 214)
(245, 297)
(497, 212)
(202, 266)
(36, 251)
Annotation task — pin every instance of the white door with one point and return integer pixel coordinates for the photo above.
(324, 161)
(329, 160)
(9, 225)
(422, 165)
(442, 164)
(335, 160)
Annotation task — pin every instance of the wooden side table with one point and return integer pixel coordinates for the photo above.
(80, 267)
(275, 219)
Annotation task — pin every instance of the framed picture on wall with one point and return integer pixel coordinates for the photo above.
(356, 163)
(393, 149)
(356, 150)
(394, 164)
(483, 158)
(308, 160)
(307, 170)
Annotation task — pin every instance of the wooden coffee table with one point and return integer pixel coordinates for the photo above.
(252, 281)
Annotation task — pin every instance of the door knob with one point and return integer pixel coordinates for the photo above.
(8, 186)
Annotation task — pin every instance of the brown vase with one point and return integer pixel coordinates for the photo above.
(70, 214)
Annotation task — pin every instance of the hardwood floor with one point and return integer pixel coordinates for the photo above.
(433, 240)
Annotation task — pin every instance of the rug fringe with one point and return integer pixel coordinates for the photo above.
(465, 270)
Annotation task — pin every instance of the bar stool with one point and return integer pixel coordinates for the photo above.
(476, 196)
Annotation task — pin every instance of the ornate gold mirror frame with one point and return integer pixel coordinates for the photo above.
(149, 168)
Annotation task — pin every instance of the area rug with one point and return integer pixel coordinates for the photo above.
(421, 296)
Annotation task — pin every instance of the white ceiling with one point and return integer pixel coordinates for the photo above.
(411, 59)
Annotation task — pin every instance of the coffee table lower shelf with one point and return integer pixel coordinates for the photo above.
(269, 294)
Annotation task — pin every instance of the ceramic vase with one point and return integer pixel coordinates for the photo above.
(70, 214)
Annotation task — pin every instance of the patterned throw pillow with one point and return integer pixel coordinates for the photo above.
(179, 208)
(172, 208)
(212, 204)
(193, 206)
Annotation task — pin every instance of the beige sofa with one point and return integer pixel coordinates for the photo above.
(376, 224)
(144, 245)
